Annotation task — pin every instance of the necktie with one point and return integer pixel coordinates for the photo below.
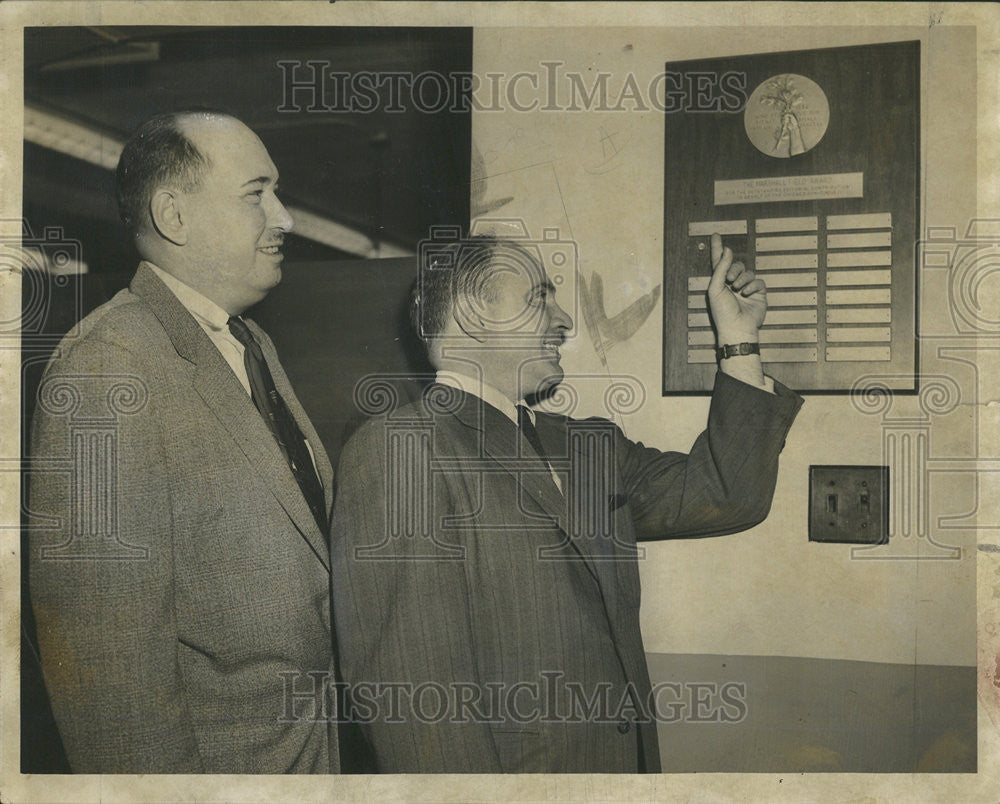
(280, 421)
(526, 426)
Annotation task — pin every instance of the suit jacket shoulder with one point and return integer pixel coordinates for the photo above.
(124, 321)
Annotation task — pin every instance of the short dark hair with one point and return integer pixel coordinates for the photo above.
(157, 153)
(466, 268)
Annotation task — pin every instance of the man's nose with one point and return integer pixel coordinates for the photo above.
(560, 318)
(278, 217)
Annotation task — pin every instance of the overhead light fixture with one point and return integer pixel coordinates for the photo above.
(82, 142)
(126, 53)
(59, 134)
(330, 233)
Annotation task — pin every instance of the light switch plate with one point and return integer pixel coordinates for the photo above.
(849, 504)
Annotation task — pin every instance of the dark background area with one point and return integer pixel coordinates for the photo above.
(336, 317)
(388, 174)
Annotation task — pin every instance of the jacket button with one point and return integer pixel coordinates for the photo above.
(624, 727)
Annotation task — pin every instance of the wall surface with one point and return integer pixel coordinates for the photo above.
(597, 176)
(778, 714)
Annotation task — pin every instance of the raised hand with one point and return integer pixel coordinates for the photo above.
(736, 297)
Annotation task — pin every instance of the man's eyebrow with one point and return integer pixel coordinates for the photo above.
(261, 180)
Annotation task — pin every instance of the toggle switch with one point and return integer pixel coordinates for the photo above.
(849, 504)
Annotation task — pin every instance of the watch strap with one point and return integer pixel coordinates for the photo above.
(737, 350)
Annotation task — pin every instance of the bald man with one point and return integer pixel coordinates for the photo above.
(181, 587)
(488, 555)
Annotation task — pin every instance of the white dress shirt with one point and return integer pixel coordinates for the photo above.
(215, 322)
(482, 390)
(213, 319)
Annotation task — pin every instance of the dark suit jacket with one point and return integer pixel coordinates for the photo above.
(460, 569)
(179, 580)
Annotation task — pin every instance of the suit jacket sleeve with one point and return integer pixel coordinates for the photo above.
(726, 483)
(101, 573)
(395, 604)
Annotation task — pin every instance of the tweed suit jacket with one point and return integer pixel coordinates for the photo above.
(179, 580)
(462, 574)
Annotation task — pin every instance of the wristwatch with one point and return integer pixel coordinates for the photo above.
(736, 350)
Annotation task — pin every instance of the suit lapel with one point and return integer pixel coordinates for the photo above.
(505, 444)
(588, 478)
(588, 486)
(222, 392)
(501, 441)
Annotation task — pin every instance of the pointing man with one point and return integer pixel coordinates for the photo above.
(486, 581)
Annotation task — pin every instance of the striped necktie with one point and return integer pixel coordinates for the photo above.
(280, 422)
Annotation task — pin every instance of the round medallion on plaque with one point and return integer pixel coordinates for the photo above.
(786, 115)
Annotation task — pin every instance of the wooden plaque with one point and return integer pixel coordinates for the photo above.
(806, 163)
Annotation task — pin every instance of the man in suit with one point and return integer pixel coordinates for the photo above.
(179, 570)
(486, 584)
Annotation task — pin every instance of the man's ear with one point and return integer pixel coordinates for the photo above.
(168, 220)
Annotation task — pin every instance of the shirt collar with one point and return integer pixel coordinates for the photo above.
(478, 388)
(205, 311)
